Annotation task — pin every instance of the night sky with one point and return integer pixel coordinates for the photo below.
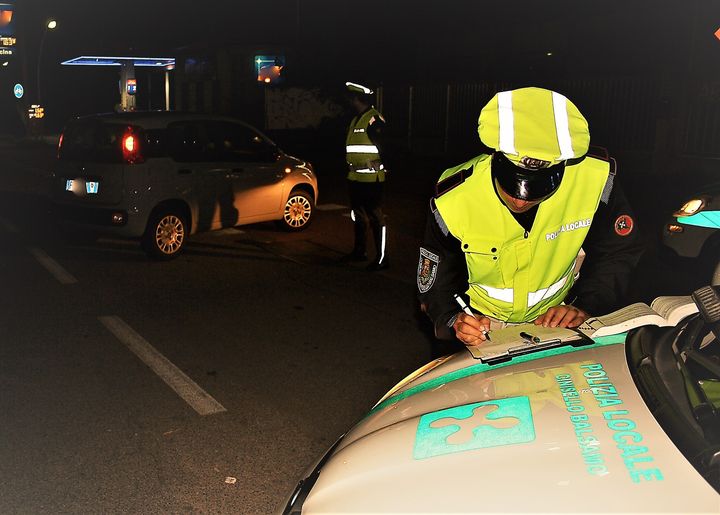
(381, 40)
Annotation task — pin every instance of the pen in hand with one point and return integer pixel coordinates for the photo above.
(468, 311)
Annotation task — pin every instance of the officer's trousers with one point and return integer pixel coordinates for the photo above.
(366, 203)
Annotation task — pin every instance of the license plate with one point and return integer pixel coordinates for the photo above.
(91, 187)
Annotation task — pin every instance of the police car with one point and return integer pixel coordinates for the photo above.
(629, 424)
(694, 231)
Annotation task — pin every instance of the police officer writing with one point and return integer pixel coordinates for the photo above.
(366, 177)
(508, 231)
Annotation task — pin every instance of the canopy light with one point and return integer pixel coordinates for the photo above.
(154, 62)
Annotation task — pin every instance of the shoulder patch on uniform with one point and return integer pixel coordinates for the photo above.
(453, 181)
(624, 225)
(427, 270)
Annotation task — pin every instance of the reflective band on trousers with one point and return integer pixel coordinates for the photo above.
(362, 149)
(534, 297)
(507, 124)
(382, 244)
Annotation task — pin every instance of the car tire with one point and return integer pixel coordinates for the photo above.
(165, 235)
(298, 211)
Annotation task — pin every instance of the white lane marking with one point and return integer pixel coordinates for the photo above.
(330, 207)
(52, 266)
(8, 226)
(186, 388)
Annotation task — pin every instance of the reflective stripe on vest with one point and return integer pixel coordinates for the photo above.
(361, 153)
(534, 297)
(512, 277)
(362, 149)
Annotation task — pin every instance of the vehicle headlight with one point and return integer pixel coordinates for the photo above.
(690, 207)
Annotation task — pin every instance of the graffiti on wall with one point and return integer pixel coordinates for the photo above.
(296, 108)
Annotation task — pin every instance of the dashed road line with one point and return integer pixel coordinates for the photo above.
(186, 388)
(52, 266)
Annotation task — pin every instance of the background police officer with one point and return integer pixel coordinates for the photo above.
(366, 176)
(509, 231)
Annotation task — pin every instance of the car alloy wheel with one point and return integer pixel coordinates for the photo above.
(169, 234)
(298, 211)
(165, 235)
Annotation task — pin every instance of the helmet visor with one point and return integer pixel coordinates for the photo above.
(526, 184)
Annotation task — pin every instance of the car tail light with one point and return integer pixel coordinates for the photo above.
(131, 147)
(59, 147)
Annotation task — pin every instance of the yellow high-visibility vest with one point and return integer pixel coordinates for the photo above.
(363, 157)
(513, 275)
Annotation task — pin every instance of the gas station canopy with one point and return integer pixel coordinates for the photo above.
(89, 60)
(128, 82)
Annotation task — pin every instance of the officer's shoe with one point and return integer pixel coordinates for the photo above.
(353, 257)
(375, 266)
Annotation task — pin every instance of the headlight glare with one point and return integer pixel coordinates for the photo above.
(690, 207)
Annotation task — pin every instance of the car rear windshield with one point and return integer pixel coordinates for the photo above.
(96, 142)
(92, 142)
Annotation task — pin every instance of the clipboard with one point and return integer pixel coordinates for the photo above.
(509, 342)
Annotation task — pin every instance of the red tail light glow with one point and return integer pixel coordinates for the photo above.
(59, 147)
(131, 147)
(129, 143)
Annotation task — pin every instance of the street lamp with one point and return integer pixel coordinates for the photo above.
(50, 25)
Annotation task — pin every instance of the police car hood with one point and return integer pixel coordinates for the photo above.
(555, 433)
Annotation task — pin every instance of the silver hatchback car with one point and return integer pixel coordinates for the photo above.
(162, 176)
